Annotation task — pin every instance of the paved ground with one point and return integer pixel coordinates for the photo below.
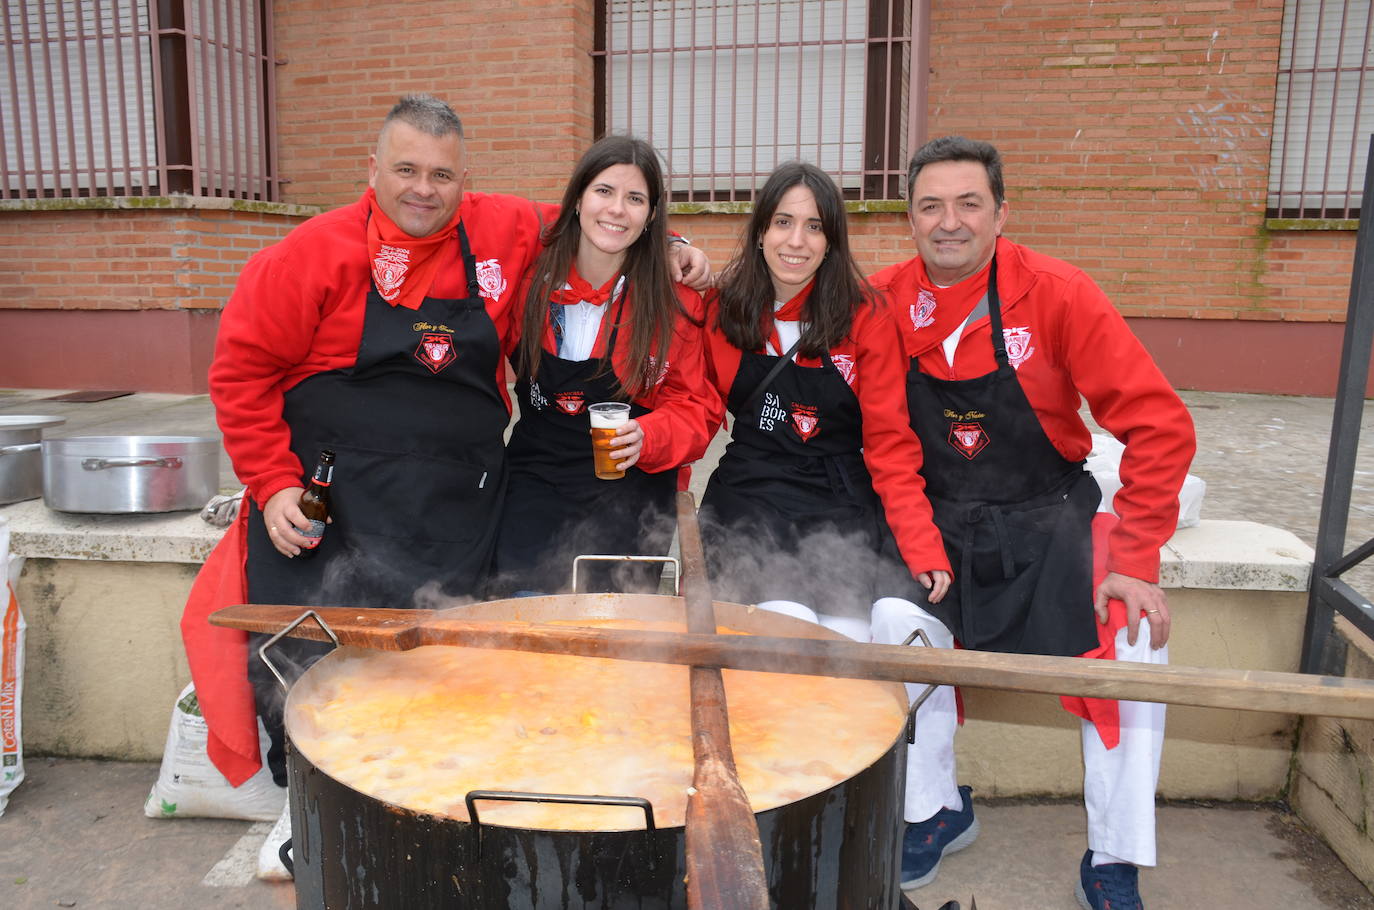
(74, 834)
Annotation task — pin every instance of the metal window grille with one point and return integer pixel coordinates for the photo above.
(728, 89)
(1323, 111)
(137, 97)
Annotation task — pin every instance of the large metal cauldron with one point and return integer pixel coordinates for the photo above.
(837, 848)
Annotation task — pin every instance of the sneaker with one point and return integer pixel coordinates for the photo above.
(1114, 886)
(926, 843)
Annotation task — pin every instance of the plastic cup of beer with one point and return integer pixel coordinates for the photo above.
(607, 417)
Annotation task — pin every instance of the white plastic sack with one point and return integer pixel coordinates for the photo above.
(1105, 465)
(11, 671)
(190, 786)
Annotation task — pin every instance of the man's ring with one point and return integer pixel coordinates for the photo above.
(272, 528)
(1151, 611)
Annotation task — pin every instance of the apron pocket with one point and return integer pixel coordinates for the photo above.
(1007, 544)
(444, 499)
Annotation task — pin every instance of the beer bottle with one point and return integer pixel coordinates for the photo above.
(315, 501)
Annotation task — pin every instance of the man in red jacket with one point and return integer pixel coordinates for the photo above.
(1004, 342)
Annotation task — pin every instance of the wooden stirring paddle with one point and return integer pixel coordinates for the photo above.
(1243, 690)
(724, 856)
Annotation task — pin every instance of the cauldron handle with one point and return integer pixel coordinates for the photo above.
(520, 796)
(284, 854)
(594, 557)
(516, 796)
(262, 652)
(920, 699)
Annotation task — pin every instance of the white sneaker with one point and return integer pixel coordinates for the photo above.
(270, 868)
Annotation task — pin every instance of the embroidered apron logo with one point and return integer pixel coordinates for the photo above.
(805, 420)
(389, 271)
(570, 402)
(844, 363)
(659, 371)
(490, 279)
(923, 310)
(968, 438)
(435, 351)
(1018, 342)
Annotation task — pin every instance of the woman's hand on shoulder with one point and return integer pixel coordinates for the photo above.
(690, 266)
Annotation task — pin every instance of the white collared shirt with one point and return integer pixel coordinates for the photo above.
(582, 323)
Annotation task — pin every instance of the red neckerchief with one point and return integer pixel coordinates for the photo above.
(937, 312)
(580, 291)
(403, 267)
(791, 311)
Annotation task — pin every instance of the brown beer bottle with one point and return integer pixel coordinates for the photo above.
(315, 502)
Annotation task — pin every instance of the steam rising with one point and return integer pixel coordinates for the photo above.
(618, 530)
(831, 572)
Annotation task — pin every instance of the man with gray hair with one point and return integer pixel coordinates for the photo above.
(1005, 342)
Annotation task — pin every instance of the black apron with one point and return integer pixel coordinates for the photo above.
(790, 512)
(556, 508)
(1016, 516)
(416, 426)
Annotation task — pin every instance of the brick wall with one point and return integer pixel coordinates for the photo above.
(1136, 139)
(1136, 146)
(1307, 274)
(518, 74)
(120, 298)
(129, 259)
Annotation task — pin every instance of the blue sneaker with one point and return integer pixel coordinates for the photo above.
(1114, 886)
(926, 843)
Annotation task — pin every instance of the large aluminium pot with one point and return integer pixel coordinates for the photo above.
(836, 848)
(117, 474)
(21, 460)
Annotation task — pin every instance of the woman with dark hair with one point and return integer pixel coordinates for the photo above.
(603, 321)
(811, 365)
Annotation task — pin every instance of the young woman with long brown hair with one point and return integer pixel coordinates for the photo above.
(821, 458)
(602, 321)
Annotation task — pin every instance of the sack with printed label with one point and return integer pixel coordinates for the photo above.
(11, 670)
(190, 786)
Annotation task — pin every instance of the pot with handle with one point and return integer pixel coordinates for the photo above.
(122, 474)
(21, 459)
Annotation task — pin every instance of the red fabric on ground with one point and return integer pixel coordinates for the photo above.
(1103, 712)
(219, 656)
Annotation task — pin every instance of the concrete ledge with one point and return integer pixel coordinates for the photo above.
(1017, 744)
(104, 656)
(153, 203)
(168, 537)
(1236, 556)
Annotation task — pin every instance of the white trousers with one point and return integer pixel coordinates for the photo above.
(1118, 784)
(852, 627)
